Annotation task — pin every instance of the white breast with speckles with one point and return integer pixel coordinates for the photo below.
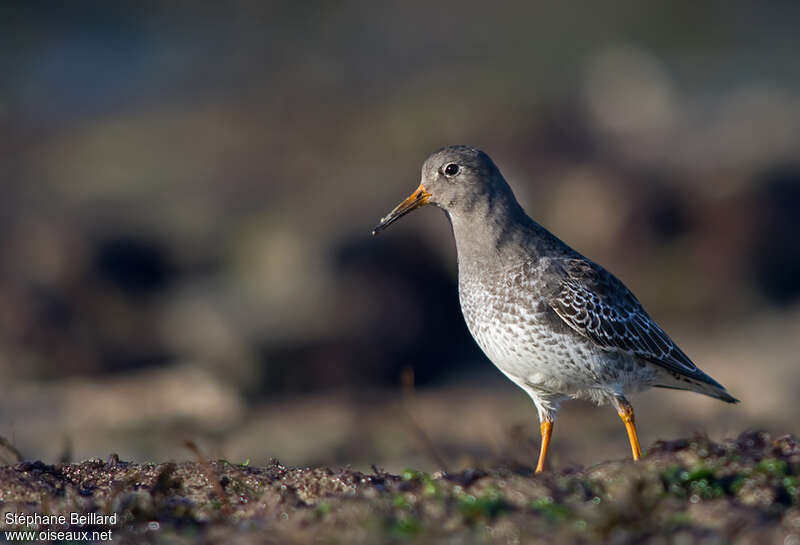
(510, 323)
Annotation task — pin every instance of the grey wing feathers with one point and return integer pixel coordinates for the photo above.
(597, 305)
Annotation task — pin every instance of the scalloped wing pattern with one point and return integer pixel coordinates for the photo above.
(597, 305)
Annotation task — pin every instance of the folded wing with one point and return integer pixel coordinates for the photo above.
(597, 305)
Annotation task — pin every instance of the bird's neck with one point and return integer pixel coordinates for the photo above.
(495, 233)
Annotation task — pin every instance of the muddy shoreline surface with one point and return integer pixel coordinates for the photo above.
(743, 490)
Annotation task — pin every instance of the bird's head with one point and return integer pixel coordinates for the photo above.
(453, 178)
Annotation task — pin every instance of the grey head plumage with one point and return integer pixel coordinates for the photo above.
(457, 179)
(466, 184)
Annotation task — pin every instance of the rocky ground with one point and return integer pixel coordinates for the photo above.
(745, 490)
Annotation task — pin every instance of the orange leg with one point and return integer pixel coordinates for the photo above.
(625, 411)
(546, 428)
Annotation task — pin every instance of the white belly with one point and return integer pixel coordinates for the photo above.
(529, 354)
(522, 343)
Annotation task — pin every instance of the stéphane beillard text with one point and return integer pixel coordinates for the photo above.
(74, 519)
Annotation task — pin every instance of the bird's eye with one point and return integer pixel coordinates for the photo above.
(451, 169)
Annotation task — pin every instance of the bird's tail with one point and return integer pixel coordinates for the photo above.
(717, 391)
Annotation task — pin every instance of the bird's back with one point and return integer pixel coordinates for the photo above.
(550, 316)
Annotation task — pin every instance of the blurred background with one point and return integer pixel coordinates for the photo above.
(188, 190)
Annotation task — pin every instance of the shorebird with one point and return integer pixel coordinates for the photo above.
(557, 324)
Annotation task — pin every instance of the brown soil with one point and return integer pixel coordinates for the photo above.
(689, 491)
